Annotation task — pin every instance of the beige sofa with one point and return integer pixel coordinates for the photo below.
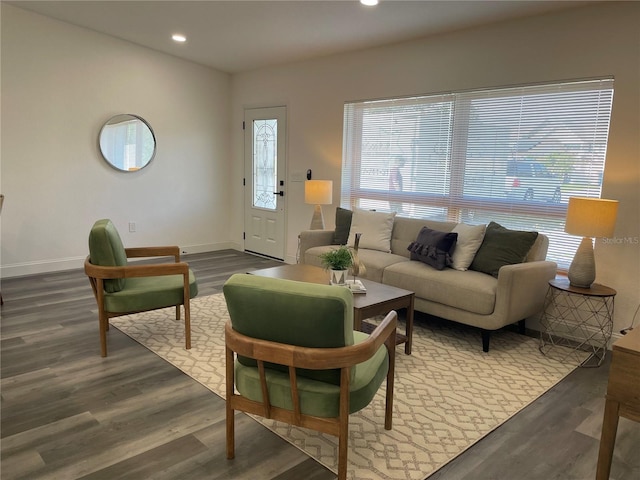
(469, 297)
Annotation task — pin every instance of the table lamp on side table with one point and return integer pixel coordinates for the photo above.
(588, 217)
(318, 192)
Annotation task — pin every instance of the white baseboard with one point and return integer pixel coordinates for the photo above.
(44, 266)
(210, 247)
(72, 263)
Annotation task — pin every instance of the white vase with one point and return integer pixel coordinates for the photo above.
(338, 277)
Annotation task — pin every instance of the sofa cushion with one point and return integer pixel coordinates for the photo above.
(405, 231)
(471, 291)
(343, 225)
(433, 247)
(376, 228)
(469, 241)
(375, 260)
(500, 247)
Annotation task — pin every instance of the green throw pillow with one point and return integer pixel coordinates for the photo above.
(343, 226)
(500, 247)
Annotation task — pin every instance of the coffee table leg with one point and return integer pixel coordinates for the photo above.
(359, 316)
(357, 319)
(409, 328)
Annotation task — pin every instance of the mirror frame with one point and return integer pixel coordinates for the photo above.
(105, 155)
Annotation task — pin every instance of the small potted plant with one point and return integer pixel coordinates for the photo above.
(337, 261)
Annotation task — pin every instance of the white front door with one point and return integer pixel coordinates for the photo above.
(265, 173)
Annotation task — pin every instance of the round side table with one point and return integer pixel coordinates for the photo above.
(578, 319)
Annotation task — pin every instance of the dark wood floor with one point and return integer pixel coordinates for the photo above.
(68, 414)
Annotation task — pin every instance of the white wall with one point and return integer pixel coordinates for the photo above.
(593, 41)
(60, 83)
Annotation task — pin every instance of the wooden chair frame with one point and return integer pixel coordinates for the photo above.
(97, 274)
(292, 356)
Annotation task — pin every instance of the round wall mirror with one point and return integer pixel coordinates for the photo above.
(127, 142)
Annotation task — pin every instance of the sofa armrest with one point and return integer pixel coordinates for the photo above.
(522, 289)
(313, 238)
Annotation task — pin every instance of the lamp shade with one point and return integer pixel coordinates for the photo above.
(318, 192)
(591, 217)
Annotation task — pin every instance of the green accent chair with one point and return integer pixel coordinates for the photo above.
(292, 356)
(121, 288)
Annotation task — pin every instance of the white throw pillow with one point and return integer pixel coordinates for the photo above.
(469, 240)
(375, 227)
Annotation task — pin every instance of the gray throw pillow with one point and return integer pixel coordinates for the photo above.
(500, 247)
(343, 226)
(433, 247)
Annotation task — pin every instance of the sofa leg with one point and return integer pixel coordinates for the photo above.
(486, 336)
(521, 327)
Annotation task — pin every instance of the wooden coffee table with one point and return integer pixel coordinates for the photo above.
(378, 300)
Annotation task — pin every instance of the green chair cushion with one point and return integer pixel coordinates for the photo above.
(295, 313)
(106, 250)
(148, 293)
(317, 398)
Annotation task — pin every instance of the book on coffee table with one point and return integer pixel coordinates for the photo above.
(356, 286)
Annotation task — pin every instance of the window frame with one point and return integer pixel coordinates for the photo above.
(355, 192)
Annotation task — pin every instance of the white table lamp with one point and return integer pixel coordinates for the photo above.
(318, 192)
(588, 217)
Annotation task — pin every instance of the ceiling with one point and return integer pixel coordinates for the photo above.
(236, 36)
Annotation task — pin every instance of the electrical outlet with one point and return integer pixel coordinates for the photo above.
(132, 227)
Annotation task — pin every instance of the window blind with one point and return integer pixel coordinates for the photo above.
(512, 155)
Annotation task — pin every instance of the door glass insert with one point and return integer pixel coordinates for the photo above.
(265, 160)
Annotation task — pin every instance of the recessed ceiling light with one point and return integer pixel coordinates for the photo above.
(179, 38)
(369, 3)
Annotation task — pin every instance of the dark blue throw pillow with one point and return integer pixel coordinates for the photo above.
(433, 247)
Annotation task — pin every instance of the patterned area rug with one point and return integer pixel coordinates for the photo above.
(448, 393)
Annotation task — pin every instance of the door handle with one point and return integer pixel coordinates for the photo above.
(281, 193)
